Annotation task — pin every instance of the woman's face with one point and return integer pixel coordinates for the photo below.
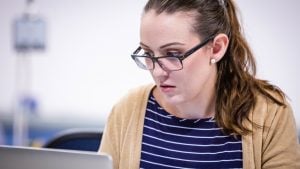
(166, 33)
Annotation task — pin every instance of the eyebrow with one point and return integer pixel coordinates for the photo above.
(163, 46)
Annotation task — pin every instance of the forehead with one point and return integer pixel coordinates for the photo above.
(166, 25)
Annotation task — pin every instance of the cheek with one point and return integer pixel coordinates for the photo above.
(197, 67)
(197, 71)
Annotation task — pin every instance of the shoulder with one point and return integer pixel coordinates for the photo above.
(276, 135)
(129, 108)
(136, 94)
(272, 118)
(134, 101)
(266, 109)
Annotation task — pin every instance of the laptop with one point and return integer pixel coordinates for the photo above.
(12, 157)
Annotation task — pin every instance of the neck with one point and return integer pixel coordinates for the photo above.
(197, 109)
(200, 107)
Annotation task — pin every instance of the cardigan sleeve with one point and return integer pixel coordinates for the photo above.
(110, 138)
(117, 130)
(123, 130)
(280, 148)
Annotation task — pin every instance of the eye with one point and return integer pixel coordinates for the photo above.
(173, 53)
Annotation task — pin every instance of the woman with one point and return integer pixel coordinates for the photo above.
(206, 109)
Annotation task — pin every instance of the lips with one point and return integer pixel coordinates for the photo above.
(167, 88)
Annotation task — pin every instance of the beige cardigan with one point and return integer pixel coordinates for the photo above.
(273, 147)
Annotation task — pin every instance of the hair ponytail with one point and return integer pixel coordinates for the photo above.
(236, 85)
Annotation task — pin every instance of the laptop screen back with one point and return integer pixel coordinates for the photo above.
(34, 158)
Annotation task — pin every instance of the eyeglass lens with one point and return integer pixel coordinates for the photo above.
(166, 63)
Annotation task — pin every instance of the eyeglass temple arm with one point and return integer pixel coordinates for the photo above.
(137, 50)
(197, 47)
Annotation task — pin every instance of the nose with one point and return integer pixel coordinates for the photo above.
(158, 70)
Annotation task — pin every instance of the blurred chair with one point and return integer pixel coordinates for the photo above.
(76, 139)
(2, 135)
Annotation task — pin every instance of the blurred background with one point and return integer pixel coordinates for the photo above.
(64, 63)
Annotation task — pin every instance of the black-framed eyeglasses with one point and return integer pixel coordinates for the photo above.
(167, 63)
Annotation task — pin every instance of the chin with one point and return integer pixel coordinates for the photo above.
(174, 100)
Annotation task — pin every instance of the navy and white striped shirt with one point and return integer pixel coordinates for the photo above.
(171, 142)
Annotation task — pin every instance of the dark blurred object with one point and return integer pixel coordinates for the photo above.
(2, 135)
(76, 139)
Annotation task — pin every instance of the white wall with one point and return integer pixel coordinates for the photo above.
(87, 66)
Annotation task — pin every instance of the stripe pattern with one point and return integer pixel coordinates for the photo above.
(170, 142)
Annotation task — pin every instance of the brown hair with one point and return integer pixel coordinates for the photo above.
(236, 84)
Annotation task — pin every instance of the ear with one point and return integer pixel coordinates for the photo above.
(219, 46)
